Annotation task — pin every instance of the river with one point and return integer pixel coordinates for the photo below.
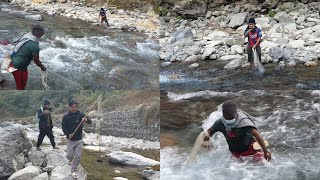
(211, 75)
(82, 55)
(288, 120)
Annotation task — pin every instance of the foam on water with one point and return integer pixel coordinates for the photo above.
(206, 94)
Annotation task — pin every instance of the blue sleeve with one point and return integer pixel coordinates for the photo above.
(259, 32)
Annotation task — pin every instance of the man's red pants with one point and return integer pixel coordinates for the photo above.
(21, 78)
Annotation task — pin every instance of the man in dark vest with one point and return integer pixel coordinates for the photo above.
(45, 124)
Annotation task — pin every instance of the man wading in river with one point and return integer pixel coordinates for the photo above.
(72, 125)
(240, 132)
(26, 50)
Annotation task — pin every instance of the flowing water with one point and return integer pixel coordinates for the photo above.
(211, 75)
(289, 120)
(100, 168)
(81, 55)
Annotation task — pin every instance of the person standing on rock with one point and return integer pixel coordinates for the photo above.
(45, 124)
(26, 50)
(253, 33)
(72, 125)
(103, 16)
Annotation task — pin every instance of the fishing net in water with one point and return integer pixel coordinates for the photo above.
(257, 65)
(200, 146)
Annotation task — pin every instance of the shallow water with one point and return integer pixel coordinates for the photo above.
(289, 120)
(89, 55)
(211, 75)
(99, 167)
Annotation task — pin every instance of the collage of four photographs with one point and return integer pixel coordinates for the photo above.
(145, 89)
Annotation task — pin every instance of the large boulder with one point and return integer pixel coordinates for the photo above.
(63, 173)
(191, 9)
(130, 159)
(13, 144)
(237, 20)
(27, 173)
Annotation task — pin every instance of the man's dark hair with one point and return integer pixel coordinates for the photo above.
(72, 102)
(252, 20)
(229, 110)
(37, 30)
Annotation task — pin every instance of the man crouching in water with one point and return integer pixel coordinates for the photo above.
(70, 122)
(240, 132)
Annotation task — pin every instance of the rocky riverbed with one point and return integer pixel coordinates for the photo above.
(212, 39)
(117, 18)
(25, 162)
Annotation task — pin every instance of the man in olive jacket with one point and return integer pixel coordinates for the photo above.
(45, 124)
(70, 122)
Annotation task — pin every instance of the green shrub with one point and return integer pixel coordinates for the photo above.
(271, 13)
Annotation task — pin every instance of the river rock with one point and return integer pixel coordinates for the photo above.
(150, 174)
(37, 157)
(130, 159)
(230, 57)
(117, 171)
(191, 9)
(194, 65)
(119, 178)
(63, 173)
(56, 158)
(288, 52)
(193, 58)
(13, 144)
(264, 22)
(181, 34)
(217, 35)
(297, 44)
(43, 176)
(237, 20)
(165, 64)
(234, 64)
(236, 49)
(276, 52)
(310, 64)
(291, 63)
(36, 17)
(27, 173)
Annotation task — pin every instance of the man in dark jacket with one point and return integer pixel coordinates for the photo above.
(45, 124)
(72, 125)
